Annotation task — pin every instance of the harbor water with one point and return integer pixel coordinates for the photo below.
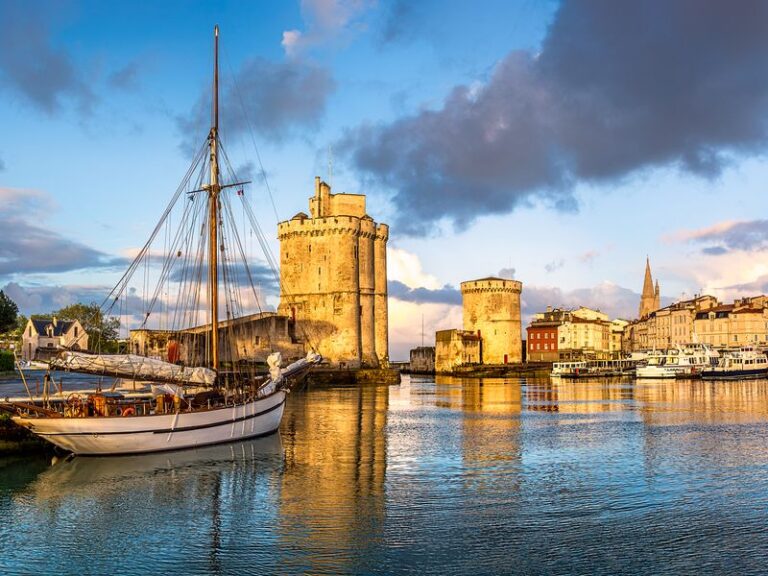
(435, 476)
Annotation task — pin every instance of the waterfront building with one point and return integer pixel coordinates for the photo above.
(43, 338)
(701, 319)
(454, 348)
(333, 266)
(650, 299)
(617, 328)
(572, 335)
(541, 336)
(422, 360)
(491, 309)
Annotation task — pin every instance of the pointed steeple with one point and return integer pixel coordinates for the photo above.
(648, 297)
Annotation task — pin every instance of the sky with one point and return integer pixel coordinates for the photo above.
(557, 143)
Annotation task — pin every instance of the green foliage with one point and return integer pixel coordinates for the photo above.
(6, 361)
(8, 313)
(102, 331)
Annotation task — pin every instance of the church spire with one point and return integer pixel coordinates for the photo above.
(649, 298)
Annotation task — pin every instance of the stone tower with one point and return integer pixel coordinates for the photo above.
(491, 308)
(333, 267)
(650, 300)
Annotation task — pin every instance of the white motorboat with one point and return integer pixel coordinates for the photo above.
(735, 364)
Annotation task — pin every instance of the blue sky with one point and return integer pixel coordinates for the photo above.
(559, 143)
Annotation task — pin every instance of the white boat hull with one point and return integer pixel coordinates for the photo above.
(101, 436)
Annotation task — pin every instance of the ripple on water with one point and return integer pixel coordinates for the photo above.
(454, 476)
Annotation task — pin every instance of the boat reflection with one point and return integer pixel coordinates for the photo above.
(91, 476)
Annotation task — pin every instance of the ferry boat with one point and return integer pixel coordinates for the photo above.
(592, 368)
(686, 362)
(742, 363)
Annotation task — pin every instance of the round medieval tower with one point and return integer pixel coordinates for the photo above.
(491, 308)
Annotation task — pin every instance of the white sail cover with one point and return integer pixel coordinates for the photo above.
(133, 366)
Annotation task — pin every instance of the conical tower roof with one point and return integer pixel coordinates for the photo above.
(648, 302)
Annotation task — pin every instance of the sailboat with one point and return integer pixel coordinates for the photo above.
(190, 405)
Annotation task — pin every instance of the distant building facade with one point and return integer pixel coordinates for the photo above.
(422, 360)
(333, 266)
(577, 334)
(45, 337)
(701, 319)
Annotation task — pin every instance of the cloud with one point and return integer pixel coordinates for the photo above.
(554, 265)
(31, 248)
(125, 78)
(277, 99)
(445, 295)
(615, 89)
(751, 235)
(236, 275)
(39, 299)
(405, 267)
(326, 21)
(508, 273)
(403, 21)
(614, 300)
(589, 256)
(31, 65)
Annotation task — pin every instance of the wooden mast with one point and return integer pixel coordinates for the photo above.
(213, 210)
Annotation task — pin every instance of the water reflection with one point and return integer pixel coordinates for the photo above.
(449, 476)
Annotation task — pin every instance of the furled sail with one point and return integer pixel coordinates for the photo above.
(133, 366)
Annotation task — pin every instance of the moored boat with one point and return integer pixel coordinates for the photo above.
(734, 364)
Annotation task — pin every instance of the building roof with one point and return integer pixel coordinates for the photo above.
(60, 328)
(748, 311)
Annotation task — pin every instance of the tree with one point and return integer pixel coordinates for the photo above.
(102, 331)
(8, 313)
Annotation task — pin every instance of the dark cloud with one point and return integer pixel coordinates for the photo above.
(277, 98)
(554, 265)
(33, 66)
(125, 78)
(261, 275)
(445, 295)
(614, 300)
(31, 248)
(757, 286)
(403, 21)
(40, 299)
(748, 236)
(616, 88)
(714, 251)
